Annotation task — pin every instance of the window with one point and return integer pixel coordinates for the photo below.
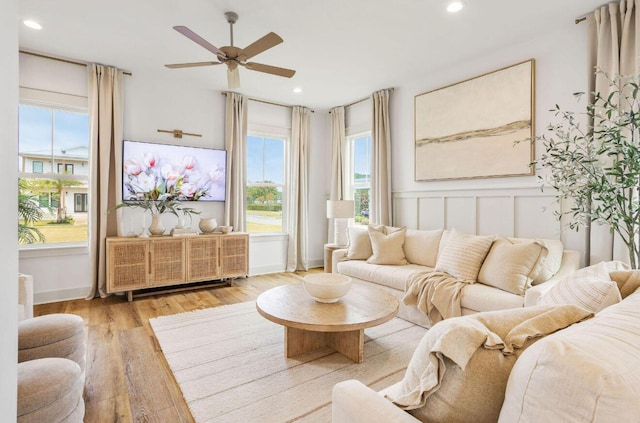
(359, 182)
(53, 164)
(265, 183)
(81, 203)
(65, 168)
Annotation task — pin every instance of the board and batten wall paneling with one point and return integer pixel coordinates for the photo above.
(512, 212)
(431, 213)
(535, 217)
(495, 214)
(460, 213)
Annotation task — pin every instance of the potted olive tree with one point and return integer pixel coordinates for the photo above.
(592, 159)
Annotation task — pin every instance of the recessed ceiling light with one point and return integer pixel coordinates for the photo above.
(455, 6)
(32, 24)
(297, 90)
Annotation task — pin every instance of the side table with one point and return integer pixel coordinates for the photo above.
(328, 255)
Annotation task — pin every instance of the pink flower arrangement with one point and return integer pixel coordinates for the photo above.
(159, 185)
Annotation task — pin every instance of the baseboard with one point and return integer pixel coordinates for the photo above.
(316, 263)
(60, 295)
(265, 270)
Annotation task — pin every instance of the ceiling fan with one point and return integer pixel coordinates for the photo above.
(233, 56)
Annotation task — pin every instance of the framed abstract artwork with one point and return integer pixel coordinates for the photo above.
(479, 128)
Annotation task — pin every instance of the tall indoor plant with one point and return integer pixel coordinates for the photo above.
(592, 159)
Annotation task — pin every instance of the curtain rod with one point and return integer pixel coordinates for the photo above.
(257, 100)
(353, 103)
(578, 20)
(58, 59)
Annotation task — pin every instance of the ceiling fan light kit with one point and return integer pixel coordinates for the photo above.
(233, 56)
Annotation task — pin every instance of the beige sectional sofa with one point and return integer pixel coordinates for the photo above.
(588, 371)
(510, 272)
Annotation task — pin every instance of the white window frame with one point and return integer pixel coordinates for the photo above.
(349, 165)
(285, 135)
(66, 103)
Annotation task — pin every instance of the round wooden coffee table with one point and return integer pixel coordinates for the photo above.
(309, 325)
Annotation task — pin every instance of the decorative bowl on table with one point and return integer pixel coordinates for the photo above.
(327, 287)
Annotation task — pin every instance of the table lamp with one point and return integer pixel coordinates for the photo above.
(341, 211)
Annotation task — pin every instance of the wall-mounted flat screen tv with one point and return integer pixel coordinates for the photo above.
(153, 171)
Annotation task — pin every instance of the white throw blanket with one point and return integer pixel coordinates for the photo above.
(436, 294)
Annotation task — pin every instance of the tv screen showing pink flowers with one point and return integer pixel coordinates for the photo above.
(164, 172)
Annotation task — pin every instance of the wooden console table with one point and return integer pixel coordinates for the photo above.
(165, 261)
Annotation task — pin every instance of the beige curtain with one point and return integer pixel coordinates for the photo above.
(613, 44)
(106, 115)
(380, 196)
(337, 153)
(297, 190)
(235, 136)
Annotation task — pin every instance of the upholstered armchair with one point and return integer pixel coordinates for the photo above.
(51, 363)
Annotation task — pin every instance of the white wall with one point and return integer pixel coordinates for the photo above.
(561, 57)
(152, 103)
(8, 251)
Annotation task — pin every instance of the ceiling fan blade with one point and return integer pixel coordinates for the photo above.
(199, 40)
(270, 40)
(191, 65)
(274, 70)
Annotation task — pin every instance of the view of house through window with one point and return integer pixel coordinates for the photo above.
(53, 165)
(265, 183)
(360, 175)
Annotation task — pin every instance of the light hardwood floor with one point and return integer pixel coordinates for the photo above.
(127, 377)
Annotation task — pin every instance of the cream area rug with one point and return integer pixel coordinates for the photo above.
(229, 363)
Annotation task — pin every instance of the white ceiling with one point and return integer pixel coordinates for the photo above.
(342, 50)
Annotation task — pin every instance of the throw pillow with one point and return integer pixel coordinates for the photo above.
(359, 244)
(463, 255)
(421, 246)
(387, 249)
(590, 288)
(512, 267)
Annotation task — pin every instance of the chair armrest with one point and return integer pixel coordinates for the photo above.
(355, 402)
(338, 256)
(25, 295)
(570, 263)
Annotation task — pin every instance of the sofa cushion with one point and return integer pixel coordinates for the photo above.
(460, 369)
(512, 267)
(359, 243)
(463, 254)
(551, 264)
(387, 248)
(391, 276)
(590, 287)
(628, 281)
(479, 297)
(421, 246)
(589, 372)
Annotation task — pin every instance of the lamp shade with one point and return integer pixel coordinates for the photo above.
(340, 209)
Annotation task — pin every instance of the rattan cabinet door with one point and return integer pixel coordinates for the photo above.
(202, 258)
(168, 265)
(234, 255)
(127, 265)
